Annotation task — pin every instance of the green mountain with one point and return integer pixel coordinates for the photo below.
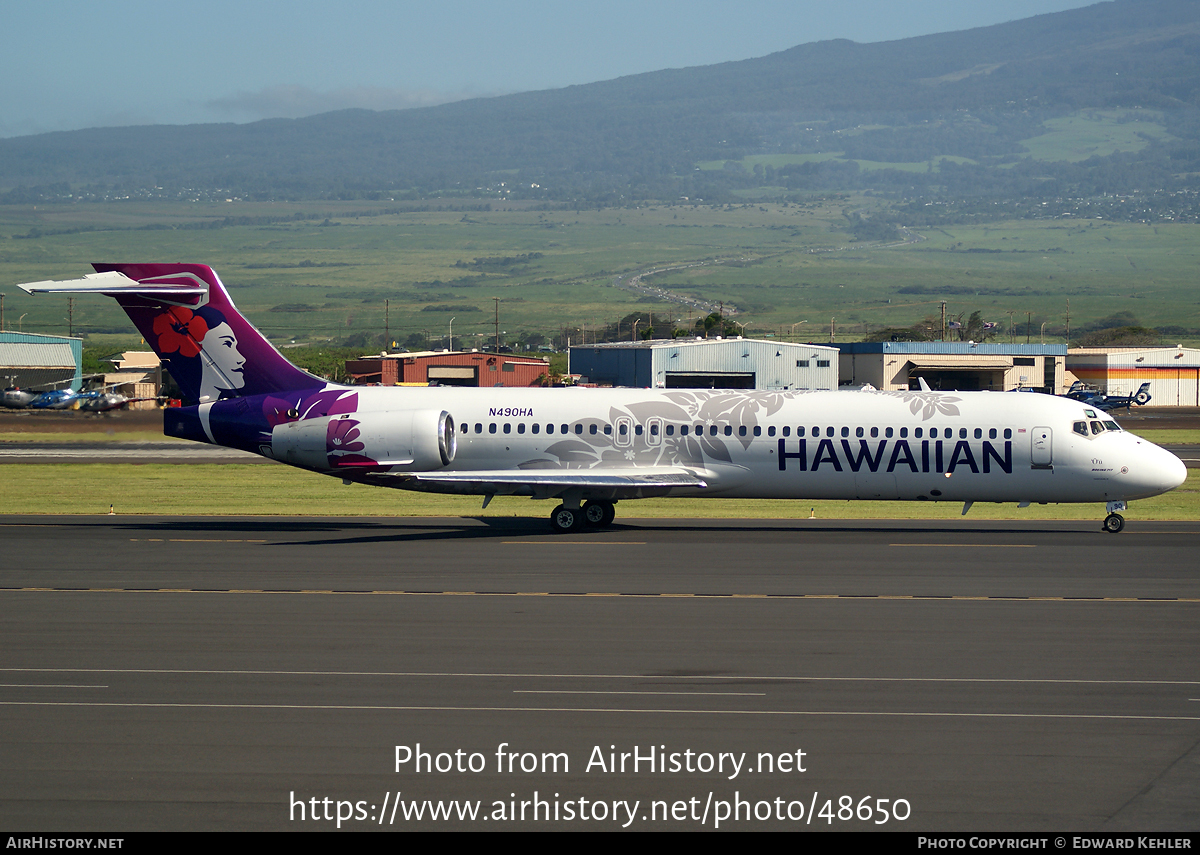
(1095, 100)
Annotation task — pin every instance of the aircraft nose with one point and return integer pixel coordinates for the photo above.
(1174, 469)
(1166, 471)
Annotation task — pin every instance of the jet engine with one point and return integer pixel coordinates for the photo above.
(407, 440)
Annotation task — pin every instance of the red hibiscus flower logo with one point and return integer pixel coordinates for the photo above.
(180, 330)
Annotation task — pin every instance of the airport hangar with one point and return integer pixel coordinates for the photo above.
(448, 368)
(1173, 372)
(954, 366)
(721, 363)
(35, 361)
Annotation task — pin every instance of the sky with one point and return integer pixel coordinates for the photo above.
(66, 64)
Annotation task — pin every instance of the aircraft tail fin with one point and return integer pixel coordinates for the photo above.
(185, 314)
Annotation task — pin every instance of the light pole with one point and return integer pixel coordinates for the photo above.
(452, 335)
(798, 323)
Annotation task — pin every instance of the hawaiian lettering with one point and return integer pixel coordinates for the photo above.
(799, 455)
(989, 454)
(986, 454)
(864, 453)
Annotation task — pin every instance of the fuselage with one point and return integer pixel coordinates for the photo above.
(968, 446)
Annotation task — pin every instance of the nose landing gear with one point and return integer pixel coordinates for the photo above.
(1114, 522)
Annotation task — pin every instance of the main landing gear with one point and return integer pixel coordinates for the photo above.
(591, 515)
(1114, 522)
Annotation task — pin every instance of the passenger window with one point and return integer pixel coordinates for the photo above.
(1008, 433)
(563, 428)
(962, 433)
(622, 429)
(741, 430)
(670, 430)
(857, 432)
(492, 427)
(578, 429)
(887, 432)
(917, 433)
(683, 430)
(992, 433)
(729, 430)
(521, 427)
(712, 430)
(608, 430)
(845, 431)
(535, 427)
(932, 433)
(979, 433)
(549, 428)
(507, 427)
(800, 431)
(874, 432)
(478, 427)
(653, 430)
(904, 433)
(758, 430)
(592, 429)
(771, 430)
(637, 429)
(829, 431)
(699, 430)
(787, 431)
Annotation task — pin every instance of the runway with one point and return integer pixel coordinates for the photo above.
(236, 673)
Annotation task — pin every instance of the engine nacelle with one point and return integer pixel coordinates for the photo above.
(409, 440)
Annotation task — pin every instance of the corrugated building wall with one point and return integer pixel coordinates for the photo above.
(31, 360)
(731, 363)
(1173, 372)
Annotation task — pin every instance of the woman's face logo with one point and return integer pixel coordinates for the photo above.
(223, 362)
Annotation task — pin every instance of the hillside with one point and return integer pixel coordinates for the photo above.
(952, 115)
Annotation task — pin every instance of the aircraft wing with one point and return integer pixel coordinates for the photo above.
(546, 483)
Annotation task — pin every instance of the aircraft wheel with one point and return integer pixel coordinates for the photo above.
(1113, 523)
(599, 514)
(565, 520)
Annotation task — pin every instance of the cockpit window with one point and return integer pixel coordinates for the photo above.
(1097, 428)
(1080, 428)
(1112, 425)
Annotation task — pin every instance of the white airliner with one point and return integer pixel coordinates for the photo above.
(590, 448)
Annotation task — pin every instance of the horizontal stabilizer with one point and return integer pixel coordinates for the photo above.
(114, 282)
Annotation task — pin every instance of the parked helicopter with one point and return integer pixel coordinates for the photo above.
(1091, 396)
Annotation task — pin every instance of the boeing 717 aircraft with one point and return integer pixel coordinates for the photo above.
(590, 448)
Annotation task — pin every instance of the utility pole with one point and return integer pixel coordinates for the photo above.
(1068, 322)
(387, 329)
(1, 311)
(71, 316)
(943, 338)
(832, 329)
(497, 299)
(1028, 324)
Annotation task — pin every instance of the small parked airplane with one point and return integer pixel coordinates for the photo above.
(591, 448)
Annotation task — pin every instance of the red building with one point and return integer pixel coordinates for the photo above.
(456, 368)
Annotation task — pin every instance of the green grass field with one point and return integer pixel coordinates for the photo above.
(45, 489)
(778, 264)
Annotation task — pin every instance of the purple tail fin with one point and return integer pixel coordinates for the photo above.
(185, 314)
